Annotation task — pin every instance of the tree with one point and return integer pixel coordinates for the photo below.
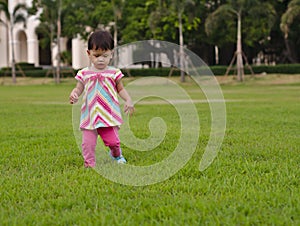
(117, 6)
(50, 26)
(287, 20)
(17, 15)
(83, 17)
(179, 6)
(59, 11)
(172, 13)
(259, 18)
(134, 24)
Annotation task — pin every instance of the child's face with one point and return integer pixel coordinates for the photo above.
(100, 58)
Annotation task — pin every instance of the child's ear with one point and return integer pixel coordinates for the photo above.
(88, 52)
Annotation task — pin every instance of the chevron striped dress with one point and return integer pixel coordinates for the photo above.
(100, 106)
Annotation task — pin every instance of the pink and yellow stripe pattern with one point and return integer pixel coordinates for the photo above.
(100, 107)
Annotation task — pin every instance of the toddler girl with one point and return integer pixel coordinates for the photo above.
(100, 111)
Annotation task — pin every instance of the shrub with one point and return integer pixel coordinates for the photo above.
(219, 70)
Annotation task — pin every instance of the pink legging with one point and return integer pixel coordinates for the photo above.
(110, 138)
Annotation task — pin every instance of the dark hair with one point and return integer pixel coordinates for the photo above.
(100, 39)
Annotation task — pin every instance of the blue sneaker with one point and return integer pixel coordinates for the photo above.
(120, 159)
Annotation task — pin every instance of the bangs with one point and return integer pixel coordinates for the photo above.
(100, 40)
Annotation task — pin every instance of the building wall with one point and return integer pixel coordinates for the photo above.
(26, 44)
(3, 45)
(24, 40)
(79, 55)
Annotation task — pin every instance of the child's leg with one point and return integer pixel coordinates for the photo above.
(110, 137)
(89, 142)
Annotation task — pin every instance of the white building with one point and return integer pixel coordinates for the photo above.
(26, 43)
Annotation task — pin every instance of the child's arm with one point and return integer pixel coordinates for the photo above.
(128, 106)
(76, 92)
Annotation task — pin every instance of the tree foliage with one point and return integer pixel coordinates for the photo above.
(205, 23)
(163, 18)
(257, 18)
(82, 17)
(290, 26)
(287, 19)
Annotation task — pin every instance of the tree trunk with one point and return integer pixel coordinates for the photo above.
(181, 51)
(239, 51)
(52, 52)
(7, 46)
(116, 43)
(289, 52)
(13, 61)
(57, 80)
(216, 55)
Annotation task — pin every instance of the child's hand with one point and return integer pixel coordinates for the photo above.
(128, 107)
(73, 97)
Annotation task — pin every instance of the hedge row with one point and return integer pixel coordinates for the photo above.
(30, 71)
(277, 69)
(23, 66)
(218, 70)
(37, 73)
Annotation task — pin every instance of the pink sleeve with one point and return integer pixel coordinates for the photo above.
(118, 75)
(79, 76)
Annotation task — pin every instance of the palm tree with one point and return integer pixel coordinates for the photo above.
(50, 27)
(180, 6)
(117, 6)
(59, 11)
(17, 15)
(238, 8)
(287, 19)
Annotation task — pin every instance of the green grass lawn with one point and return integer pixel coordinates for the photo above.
(253, 181)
